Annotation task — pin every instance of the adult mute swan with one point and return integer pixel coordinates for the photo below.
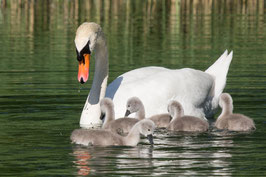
(196, 90)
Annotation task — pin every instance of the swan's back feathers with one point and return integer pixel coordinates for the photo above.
(186, 85)
(219, 71)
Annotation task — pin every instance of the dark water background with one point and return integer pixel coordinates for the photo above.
(41, 99)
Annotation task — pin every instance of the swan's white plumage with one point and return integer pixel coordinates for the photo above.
(196, 90)
(219, 71)
(157, 89)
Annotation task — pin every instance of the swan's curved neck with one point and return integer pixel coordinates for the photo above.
(91, 112)
(141, 112)
(99, 83)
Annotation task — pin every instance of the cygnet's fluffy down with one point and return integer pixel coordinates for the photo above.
(135, 105)
(161, 120)
(180, 122)
(107, 138)
(120, 126)
(230, 121)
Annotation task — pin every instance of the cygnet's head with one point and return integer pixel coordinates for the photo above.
(106, 104)
(134, 104)
(175, 107)
(225, 99)
(146, 128)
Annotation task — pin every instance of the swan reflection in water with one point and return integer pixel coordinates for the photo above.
(172, 153)
(106, 160)
(190, 154)
(82, 156)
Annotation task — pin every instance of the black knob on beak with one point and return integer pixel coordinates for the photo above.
(82, 81)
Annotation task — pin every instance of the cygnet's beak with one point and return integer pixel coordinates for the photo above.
(127, 113)
(150, 138)
(84, 66)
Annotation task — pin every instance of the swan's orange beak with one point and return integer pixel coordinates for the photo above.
(84, 67)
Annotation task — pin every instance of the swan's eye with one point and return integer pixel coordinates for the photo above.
(149, 129)
(85, 50)
(79, 57)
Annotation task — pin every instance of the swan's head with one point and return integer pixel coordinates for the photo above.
(134, 104)
(225, 99)
(146, 127)
(85, 41)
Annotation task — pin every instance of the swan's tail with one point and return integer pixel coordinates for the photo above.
(219, 71)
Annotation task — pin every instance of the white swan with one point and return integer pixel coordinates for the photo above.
(196, 90)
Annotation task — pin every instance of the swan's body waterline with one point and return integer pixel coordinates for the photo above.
(230, 121)
(196, 90)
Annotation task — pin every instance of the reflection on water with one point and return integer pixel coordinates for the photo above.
(41, 99)
(82, 163)
(126, 159)
(184, 154)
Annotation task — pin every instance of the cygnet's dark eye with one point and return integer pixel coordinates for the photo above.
(149, 129)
